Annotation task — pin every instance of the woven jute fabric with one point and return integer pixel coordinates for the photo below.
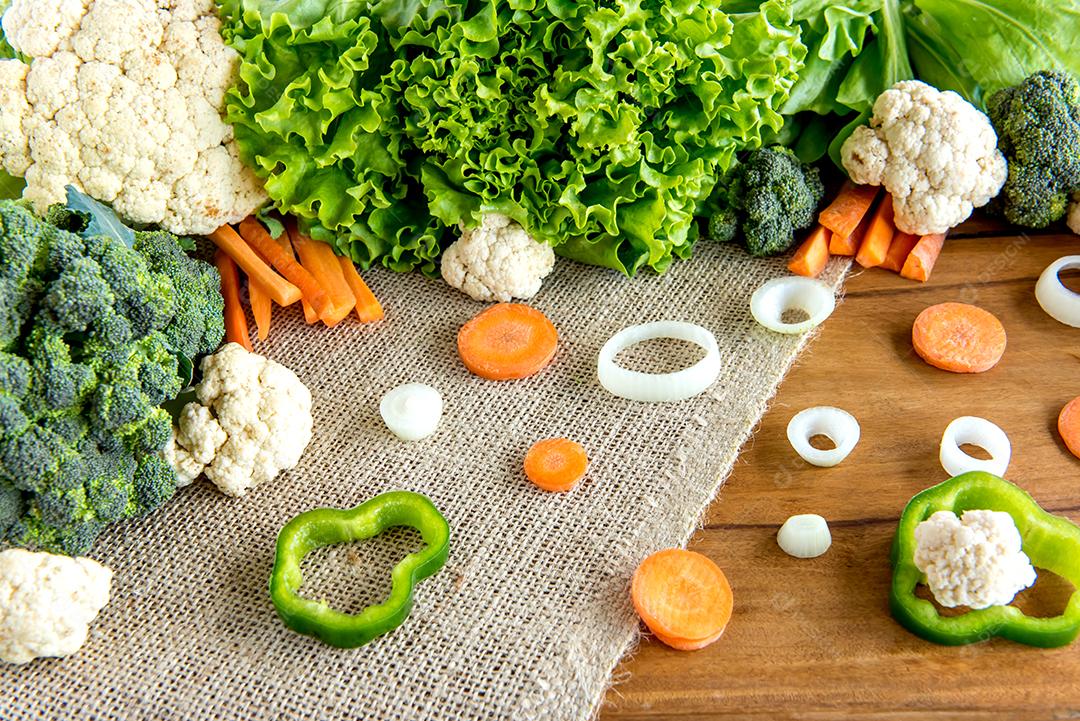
(531, 613)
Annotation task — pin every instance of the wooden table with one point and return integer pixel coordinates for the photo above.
(813, 639)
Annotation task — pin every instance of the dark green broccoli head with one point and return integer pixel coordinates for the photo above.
(1038, 127)
(197, 326)
(769, 196)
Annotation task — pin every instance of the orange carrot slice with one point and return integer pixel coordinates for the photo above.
(813, 255)
(920, 261)
(253, 232)
(319, 258)
(958, 337)
(875, 244)
(368, 308)
(899, 249)
(228, 240)
(843, 215)
(683, 598)
(1069, 426)
(236, 325)
(556, 464)
(507, 341)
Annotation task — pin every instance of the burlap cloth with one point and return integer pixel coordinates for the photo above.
(531, 613)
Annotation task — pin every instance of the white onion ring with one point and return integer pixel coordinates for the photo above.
(412, 411)
(774, 298)
(658, 387)
(978, 432)
(1059, 302)
(837, 425)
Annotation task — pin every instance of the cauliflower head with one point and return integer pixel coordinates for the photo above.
(251, 422)
(975, 560)
(123, 99)
(933, 151)
(498, 261)
(47, 603)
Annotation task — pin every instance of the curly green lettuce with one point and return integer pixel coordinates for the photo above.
(600, 126)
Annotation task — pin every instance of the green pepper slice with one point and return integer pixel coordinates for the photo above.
(328, 526)
(1051, 542)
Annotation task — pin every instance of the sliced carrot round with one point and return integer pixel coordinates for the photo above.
(507, 341)
(683, 597)
(556, 464)
(1069, 426)
(958, 337)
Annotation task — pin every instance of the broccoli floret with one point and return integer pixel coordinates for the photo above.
(198, 324)
(768, 197)
(29, 460)
(1038, 127)
(155, 483)
(143, 296)
(11, 506)
(79, 297)
(59, 382)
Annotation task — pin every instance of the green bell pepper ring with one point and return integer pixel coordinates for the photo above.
(329, 526)
(1051, 542)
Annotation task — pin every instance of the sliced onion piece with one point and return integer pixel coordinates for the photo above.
(804, 536)
(978, 432)
(783, 295)
(1059, 302)
(659, 387)
(412, 411)
(837, 425)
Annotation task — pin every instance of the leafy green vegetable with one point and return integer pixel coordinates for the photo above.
(10, 188)
(977, 47)
(99, 219)
(600, 126)
(1038, 127)
(91, 332)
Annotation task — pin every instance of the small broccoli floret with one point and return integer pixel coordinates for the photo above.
(11, 506)
(768, 197)
(79, 297)
(1038, 127)
(144, 297)
(30, 459)
(60, 383)
(155, 483)
(197, 325)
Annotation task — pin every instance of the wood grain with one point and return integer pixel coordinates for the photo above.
(813, 639)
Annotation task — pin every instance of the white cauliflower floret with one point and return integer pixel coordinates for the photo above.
(975, 560)
(124, 100)
(1074, 214)
(498, 261)
(47, 603)
(252, 421)
(933, 151)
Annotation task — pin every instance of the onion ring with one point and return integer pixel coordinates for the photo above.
(978, 432)
(1059, 302)
(779, 295)
(837, 425)
(658, 387)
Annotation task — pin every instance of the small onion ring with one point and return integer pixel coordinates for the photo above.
(978, 432)
(837, 425)
(658, 387)
(774, 298)
(412, 411)
(1059, 302)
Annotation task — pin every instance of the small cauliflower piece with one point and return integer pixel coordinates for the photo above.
(251, 422)
(47, 603)
(933, 151)
(498, 261)
(124, 99)
(975, 560)
(1074, 214)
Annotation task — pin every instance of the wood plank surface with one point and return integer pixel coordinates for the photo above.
(813, 639)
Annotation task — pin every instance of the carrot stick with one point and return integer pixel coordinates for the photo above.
(901, 245)
(920, 262)
(556, 464)
(321, 262)
(843, 215)
(507, 341)
(368, 308)
(878, 238)
(683, 598)
(849, 245)
(310, 316)
(282, 291)
(812, 256)
(261, 307)
(236, 325)
(1069, 426)
(958, 337)
(252, 231)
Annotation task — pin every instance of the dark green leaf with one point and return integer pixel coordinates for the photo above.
(100, 218)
